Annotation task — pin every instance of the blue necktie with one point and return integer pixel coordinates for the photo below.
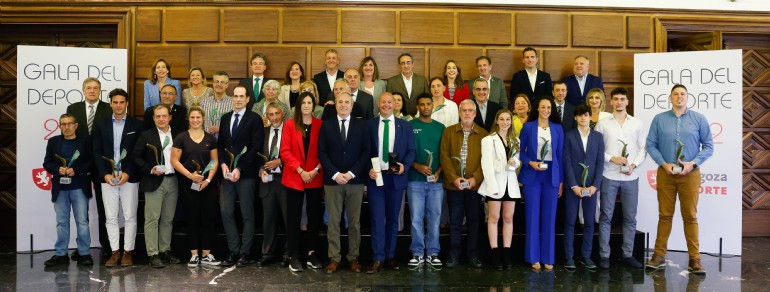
(234, 131)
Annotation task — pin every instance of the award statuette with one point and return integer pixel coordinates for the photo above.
(115, 167)
(65, 180)
(233, 161)
(543, 151)
(196, 186)
(267, 177)
(393, 163)
(515, 148)
(625, 168)
(464, 184)
(584, 177)
(158, 167)
(679, 156)
(430, 178)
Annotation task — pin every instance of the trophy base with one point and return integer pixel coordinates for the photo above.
(160, 168)
(65, 180)
(511, 168)
(585, 193)
(465, 185)
(229, 175)
(195, 187)
(430, 178)
(543, 166)
(267, 178)
(625, 168)
(115, 181)
(677, 169)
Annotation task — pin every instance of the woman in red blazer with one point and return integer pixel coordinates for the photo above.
(303, 179)
(456, 89)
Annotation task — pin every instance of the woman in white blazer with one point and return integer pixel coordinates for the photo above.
(499, 161)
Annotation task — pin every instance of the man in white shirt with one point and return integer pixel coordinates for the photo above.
(496, 86)
(530, 81)
(324, 80)
(624, 140)
(408, 83)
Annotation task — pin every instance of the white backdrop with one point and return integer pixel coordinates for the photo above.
(49, 79)
(714, 83)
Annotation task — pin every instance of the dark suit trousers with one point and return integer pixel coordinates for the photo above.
(464, 204)
(384, 207)
(294, 199)
(570, 217)
(201, 211)
(243, 191)
(273, 195)
(97, 181)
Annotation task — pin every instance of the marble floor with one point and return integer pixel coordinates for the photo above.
(751, 272)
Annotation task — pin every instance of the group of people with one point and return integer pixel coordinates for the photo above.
(446, 145)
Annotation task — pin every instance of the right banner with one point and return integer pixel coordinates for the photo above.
(714, 85)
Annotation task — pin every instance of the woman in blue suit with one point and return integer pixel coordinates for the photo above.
(542, 142)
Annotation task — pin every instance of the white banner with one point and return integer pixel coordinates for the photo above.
(714, 84)
(48, 80)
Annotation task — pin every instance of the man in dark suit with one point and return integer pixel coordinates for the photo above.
(359, 96)
(584, 187)
(530, 81)
(272, 193)
(330, 110)
(325, 80)
(124, 193)
(563, 109)
(239, 130)
(70, 195)
(178, 114)
(581, 82)
(486, 109)
(389, 135)
(88, 113)
(159, 186)
(254, 85)
(417, 84)
(497, 92)
(343, 148)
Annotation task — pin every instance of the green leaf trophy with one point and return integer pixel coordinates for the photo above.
(515, 148)
(234, 162)
(267, 177)
(543, 152)
(679, 156)
(584, 180)
(625, 168)
(115, 167)
(66, 179)
(432, 177)
(196, 186)
(464, 184)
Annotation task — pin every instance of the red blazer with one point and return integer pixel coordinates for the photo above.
(293, 156)
(460, 94)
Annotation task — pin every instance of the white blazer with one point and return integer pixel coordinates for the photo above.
(494, 165)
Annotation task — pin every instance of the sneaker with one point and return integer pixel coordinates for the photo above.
(156, 262)
(194, 261)
(569, 264)
(167, 257)
(416, 261)
(452, 262)
(57, 260)
(656, 262)
(604, 263)
(209, 260)
(475, 262)
(313, 262)
(588, 263)
(696, 267)
(632, 262)
(434, 261)
(295, 265)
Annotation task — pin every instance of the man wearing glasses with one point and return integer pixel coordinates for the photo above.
(408, 83)
(217, 105)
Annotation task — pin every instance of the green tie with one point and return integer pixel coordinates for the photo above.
(385, 140)
(256, 88)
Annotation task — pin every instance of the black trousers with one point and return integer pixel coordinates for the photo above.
(104, 240)
(314, 208)
(201, 214)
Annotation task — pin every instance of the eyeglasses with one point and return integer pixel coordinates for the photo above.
(481, 89)
(67, 124)
(217, 82)
(406, 63)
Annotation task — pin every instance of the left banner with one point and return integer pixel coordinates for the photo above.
(48, 80)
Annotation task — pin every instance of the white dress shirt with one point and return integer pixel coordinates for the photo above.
(391, 138)
(240, 118)
(632, 132)
(167, 150)
(532, 79)
(408, 84)
(331, 78)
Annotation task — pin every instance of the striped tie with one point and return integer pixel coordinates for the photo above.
(90, 118)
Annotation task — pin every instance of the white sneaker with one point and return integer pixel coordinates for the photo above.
(194, 261)
(416, 261)
(434, 261)
(209, 260)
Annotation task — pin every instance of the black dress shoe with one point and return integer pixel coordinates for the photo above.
(57, 260)
(230, 260)
(167, 257)
(265, 261)
(85, 260)
(156, 262)
(74, 255)
(243, 261)
(285, 262)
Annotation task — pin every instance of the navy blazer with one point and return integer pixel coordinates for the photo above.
(353, 156)
(593, 157)
(145, 159)
(178, 119)
(103, 144)
(574, 96)
(568, 122)
(250, 134)
(78, 109)
(323, 85)
(404, 146)
(492, 109)
(530, 152)
(520, 84)
(82, 165)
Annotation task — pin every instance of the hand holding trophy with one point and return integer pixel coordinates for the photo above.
(66, 179)
(679, 156)
(584, 191)
(197, 186)
(625, 168)
(115, 167)
(543, 152)
(233, 162)
(515, 148)
(464, 184)
(267, 177)
(431, 178)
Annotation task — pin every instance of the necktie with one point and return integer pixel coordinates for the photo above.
(256, 88)
(90, 118)
(234, 131)
(273, 152)
(343, 132)
(166, 141)
(559, 111)
(385, 140)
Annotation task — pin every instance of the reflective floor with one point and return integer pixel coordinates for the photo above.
(751, 272)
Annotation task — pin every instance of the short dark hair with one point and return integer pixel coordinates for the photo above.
(159, 106)
(404, 54)
(529, 49)
(169, 85)
(619, 90)
(422, 96)
(118, 91)
(483, 58)
(67, 115)
(582, 109)
(258, 55)
(678, 86)
(557, 82)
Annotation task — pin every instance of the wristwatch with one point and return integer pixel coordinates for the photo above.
(694, 165)
(317, 169)
(208, 180)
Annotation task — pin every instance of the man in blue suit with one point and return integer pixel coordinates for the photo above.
(389, 136)
(583, 169)
(581, 82)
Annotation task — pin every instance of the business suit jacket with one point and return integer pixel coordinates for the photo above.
(379, 88)
(568, 122)
(593, 157)
(451, 142)
(103, 146)
(419, 86)
(367, 103)
(530, 152)
(494, 165)
(249, 84)
(145, 159)
(520, 84)
(492, 109)
(82, 165)
(574, 95)
(293, 156)
(403, 145)
(323, 85)
(178, 119)
(250, 134)
(78, 109)
(351, 156)
(330, 112)
(496, 91)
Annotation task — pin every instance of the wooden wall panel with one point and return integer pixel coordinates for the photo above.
(361, 26)
(311, 26)
(149, 28)
(597, 30)
(348, 58)
(387, 60)
(247, 25)
(191, 24)
(177, 57)
(505, 62)
(617, 66)
(464, 58)
(421, 27)
(231, 59)
(544, 29)
(484, 28)
(559, 63)
(639, 33)
(278, 60)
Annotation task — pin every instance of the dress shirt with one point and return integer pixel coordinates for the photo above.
(532, 79)
(408, 84)
(331, 78)
(240, 118)
(117, 135)
(584, 139)
(270, 141)
(483, 110)
(219, 108)
(167, 150)
(489, 81)
(391, 138)
(631, 132)
(261, 81)
(347, 129)
(559, 109)
(691, 128)
(354, 94)
(582, 83)
(87, 104)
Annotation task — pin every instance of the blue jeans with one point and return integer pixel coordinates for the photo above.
(77, 199)
(629, 195)
(425, 201)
